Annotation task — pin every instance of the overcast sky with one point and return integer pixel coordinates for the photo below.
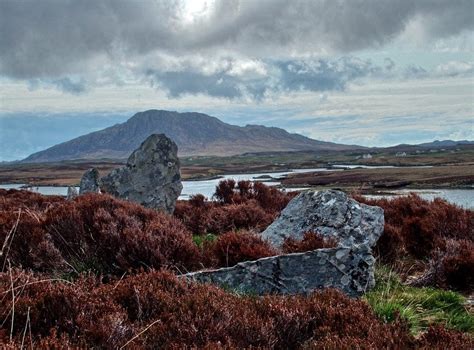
(369, 72)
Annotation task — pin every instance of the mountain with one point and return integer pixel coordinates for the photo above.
(196, 134)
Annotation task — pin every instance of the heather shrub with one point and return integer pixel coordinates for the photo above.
(15, 199)
(93, 233)
(416, 227)
(234, 247)
(245, 205)
(59, 312)
(225, 191)
(390, 245)
(438, 337)
(310, 241)
(247, 215)
(117, 235)
(156, 310)
(451, 266)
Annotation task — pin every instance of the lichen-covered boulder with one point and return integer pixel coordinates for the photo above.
(151, 176)
(89, 182)
(349, 269)
(330, 213)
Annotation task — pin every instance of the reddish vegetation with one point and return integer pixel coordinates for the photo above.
(451, 266)
(234, 247)
(150, 309)
(310, 241)
(419, 230)
(155, 310)
(93, 232)
(243, 206)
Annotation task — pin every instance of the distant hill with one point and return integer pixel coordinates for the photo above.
(435, 145)
(196, 134)
(445, 143)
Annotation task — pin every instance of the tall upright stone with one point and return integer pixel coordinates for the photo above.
(151, 176)
(89, 182)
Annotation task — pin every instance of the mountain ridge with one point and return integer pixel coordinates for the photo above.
(196, 134)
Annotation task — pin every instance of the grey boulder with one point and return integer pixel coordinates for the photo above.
(350, 270)
(330, 213)
(151, 176)
(71, 193)
(89, 182)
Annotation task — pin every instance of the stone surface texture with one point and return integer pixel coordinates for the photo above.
(349, 269)
(71, 193)
(151, 176)
(90, 182)
(331, 213)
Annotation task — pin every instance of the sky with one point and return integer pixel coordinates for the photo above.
(367, 72)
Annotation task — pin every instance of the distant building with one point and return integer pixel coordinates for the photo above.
(401, 154)
(367, 156)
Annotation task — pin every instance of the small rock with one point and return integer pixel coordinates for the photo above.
(71, 193)
(90, 182)
(298, 273)
(151, 176)
(330, 213)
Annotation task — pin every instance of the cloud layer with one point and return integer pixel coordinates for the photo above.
(230, 49)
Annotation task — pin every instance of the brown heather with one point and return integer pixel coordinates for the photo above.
(310, 241)
(243, 206)
(92, 233)
(84, 274)
(436, 235)
(155, 310)
(234, 247)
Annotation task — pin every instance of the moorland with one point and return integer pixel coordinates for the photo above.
(102, 272)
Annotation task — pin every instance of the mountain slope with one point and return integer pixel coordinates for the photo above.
(194, 133)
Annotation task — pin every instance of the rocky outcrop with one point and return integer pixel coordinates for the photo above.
(349, 269)
(330, 213)
(151, 176)
(90, 182)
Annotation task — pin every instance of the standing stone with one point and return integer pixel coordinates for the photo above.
(71, 193)
(349, 269)
(90, 182)
(151, 176)
(330, 213)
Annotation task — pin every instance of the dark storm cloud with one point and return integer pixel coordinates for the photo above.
(53, 40)
(50, 38)
(188, 82)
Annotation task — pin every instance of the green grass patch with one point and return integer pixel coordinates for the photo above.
(420, 307)
(199, 240)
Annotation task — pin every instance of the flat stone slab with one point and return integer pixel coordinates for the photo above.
(330, 213)
(349, 269)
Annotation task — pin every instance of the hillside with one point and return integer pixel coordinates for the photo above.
(195, 133)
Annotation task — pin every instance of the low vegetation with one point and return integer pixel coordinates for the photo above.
(418, 307)
(101, 272)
